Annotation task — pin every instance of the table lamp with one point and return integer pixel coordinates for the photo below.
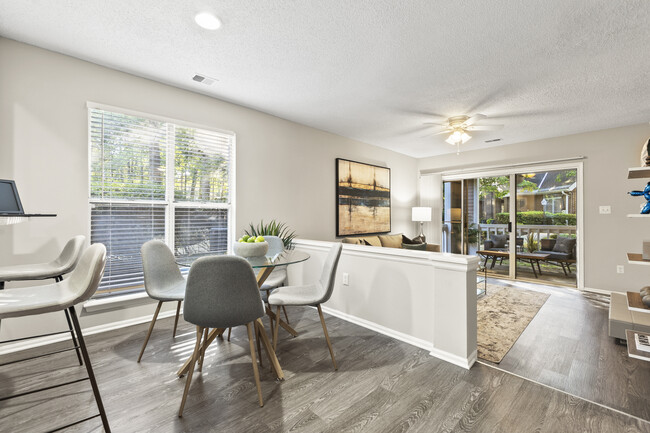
(421, 214)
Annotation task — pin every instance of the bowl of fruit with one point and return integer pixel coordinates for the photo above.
(251, 246)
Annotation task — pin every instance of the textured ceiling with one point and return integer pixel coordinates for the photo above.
(375, 70)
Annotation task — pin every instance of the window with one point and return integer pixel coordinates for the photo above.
(156, 179)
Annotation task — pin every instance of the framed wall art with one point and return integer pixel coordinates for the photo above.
(362, 198)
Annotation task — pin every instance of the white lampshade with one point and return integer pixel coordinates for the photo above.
(421, 214)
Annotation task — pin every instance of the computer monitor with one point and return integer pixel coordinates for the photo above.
(9, 199)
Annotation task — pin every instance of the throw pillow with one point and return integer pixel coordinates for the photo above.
(419, 247)
(372, 241)
(499, 241)
(564, 245)
(406, 240)
(418, 240)
(391, 241)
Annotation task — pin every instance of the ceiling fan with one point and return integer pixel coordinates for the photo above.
(457, 127)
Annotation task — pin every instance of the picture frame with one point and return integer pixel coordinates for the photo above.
(363, 200)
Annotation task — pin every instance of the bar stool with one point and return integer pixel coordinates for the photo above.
(64, 295)
(55, 269)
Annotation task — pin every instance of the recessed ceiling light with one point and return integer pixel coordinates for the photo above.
(207, 20)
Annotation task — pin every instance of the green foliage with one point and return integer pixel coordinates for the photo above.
(497, 185)
(273, 229)
(531, 244)
(472, 234)
(539, 218)
(566, 176)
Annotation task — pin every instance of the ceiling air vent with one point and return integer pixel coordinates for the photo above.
(493, 140)
(204, 79)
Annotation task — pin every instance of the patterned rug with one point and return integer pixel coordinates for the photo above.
(503, 315)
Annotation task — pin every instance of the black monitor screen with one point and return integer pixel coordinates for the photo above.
(9, 199)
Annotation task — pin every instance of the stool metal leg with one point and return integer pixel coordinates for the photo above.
(89, 369)
(67, 318)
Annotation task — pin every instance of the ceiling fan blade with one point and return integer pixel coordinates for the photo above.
(472, 120)
(484, 127)
(444, 125)
(436, 133)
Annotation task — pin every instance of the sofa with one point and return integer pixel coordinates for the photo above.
(392, 241)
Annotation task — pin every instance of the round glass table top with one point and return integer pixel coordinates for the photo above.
(288, 257)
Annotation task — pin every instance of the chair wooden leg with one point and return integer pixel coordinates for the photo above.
(327, 337)
(259, 346)
(249, 328)
(276, 328)
(269, 350)
(195, 356)
(203, 347)
(153, 322)
(178, 312)
(285, 314)
(89, 369)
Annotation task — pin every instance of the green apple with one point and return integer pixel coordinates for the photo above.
(250, 240)
(259, 239)
(240, 240)
(244, 238)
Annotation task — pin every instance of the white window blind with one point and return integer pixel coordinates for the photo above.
(155, 179)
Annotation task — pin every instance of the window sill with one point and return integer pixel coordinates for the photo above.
(116, 302)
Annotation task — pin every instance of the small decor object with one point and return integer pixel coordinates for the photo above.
(273, 229)
(421, 215)
(646, 194)
(645, 295)
(362, 198)
(645, 158)
(251, 246)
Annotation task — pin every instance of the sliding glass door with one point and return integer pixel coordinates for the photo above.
(522, 225)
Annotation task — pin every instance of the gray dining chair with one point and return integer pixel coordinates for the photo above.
(64, 295)
(222, 293)
(163, 281)
(63, 264)
(309, 295)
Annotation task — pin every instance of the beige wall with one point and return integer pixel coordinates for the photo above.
(284, 170)
(608, 154)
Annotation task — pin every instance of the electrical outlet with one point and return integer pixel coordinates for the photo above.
(605, 210)
(346, 279)
(620, 269)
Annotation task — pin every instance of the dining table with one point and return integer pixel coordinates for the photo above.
(266, 265)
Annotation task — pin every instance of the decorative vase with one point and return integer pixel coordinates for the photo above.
(251, 249)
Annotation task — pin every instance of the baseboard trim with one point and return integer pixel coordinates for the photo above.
(43, 341)
(417, 342)
(465, 363)
(599, 291)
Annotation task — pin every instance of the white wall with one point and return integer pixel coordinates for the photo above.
(608, 154)
(284, 170)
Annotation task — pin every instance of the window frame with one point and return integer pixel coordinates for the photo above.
(169, 203)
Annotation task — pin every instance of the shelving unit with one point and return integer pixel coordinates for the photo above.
(636, 259)
(638, 215)
(634, 303)
(632, 351)
(638, 173)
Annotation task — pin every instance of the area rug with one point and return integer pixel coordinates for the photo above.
(503, 315)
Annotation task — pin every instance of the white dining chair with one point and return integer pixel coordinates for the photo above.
(64, 295)
(313, 294)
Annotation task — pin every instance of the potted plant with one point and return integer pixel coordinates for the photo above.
(273, 228)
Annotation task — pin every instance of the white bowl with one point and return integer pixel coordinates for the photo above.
(251, 249)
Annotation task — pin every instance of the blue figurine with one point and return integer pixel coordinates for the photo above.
(646, 194)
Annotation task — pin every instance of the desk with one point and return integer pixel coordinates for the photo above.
(266, 266)
(532, 258)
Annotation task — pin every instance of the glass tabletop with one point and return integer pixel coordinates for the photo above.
(281, 259)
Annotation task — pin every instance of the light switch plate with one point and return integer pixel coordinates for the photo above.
(605, 210)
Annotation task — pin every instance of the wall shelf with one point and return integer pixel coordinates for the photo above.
(638, 172)
(638, 215)
(637, 259)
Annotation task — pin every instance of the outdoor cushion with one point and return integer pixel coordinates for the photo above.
(499, 241)
(554, 255)
(564, 245)
(420, 247)
(391, 241)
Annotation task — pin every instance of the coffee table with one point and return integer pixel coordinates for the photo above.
(532, 258)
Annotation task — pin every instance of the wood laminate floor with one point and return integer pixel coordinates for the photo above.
(382, 385)
(567, 346)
